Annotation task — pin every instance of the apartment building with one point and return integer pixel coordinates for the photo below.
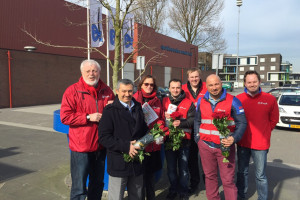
(270, 67)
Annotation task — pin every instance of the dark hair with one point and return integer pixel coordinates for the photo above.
(251, 72)
(124, 82)
(175, 80)
(141, 82)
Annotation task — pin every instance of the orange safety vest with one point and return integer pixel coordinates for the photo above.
(182, 108)
(207, 130)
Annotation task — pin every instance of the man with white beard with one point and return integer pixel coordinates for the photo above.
(81, 108)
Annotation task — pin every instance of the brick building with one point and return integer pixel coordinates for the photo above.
(41, 76)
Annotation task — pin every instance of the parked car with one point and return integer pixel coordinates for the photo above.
(276, 92)
(289, 110)
(228, 86)
(162, 92)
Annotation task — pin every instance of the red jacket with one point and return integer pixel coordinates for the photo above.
(208, 131)
(201, 93)
(157, 107)
(182, 108)
(76, 104)
(262, 115)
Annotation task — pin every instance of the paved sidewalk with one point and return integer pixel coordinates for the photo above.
(34, 161)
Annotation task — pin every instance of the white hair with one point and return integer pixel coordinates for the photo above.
(89, 62)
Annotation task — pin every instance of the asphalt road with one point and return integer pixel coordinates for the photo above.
(34, 160)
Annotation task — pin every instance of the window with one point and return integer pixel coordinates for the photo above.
(262, 68)
(251, 68)
(273, 59)
(241, 76)
(273, 68)
(262, 76)
(241, 69)
(262, 59)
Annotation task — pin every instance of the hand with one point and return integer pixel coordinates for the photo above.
(167, 115)
(110, 102)
(176, 123)
(95, 117)
(133, 149)
(227, 142)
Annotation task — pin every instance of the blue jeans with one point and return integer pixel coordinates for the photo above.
(260, 162)
(90, 164)
(179, 182)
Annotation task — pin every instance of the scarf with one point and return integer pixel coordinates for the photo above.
(143, 95)
(91, 89)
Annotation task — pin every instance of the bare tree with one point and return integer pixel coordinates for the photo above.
(196, 22)
(122, 9)
(151, 13)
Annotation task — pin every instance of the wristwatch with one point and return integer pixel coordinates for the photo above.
(88, 117)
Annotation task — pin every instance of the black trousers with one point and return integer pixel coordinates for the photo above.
(194, 161)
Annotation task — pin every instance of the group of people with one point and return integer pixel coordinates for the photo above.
(102, 124)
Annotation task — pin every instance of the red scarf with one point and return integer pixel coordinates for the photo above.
(142, 94)
(92, 90)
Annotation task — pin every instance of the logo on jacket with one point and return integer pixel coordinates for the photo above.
(263, 103)
(220, 110)
(182, 107)
(103, 96)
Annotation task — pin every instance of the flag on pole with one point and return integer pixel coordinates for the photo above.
(97, 38)
(128, 30)
(111, 30)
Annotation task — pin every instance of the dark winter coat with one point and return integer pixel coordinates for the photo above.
(118, 128)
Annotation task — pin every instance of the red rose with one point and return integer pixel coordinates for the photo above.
(231, 128)
(175, 115)
(219, 115)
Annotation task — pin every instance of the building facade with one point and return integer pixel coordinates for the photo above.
(270, 67)
(41, 76)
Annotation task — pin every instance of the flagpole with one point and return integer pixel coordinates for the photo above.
(88, 28)
(107, 48)
(122, 49)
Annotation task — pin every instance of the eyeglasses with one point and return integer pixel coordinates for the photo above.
(147, 84)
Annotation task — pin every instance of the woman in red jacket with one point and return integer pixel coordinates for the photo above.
(147, 93)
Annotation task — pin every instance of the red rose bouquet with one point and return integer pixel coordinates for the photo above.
(221, 122)
(175, 134)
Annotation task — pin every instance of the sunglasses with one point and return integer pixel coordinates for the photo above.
(147, 84)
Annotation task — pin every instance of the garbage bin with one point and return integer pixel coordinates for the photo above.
(62, 128)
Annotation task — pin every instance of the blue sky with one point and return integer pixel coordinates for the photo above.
(266, 26)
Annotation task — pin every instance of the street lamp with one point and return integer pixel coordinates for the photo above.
(29, 48)
(238, 4)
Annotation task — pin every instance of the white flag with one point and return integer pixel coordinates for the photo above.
(128, 31)
(111, 30)
(97, 38)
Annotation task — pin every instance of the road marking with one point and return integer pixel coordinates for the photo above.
(27, 126)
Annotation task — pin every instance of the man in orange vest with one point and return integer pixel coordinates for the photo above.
(178, 160)
(208, 138)
(194, 89)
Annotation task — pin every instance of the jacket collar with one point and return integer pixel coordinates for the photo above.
(119, 105)
(198, 89)
(178, 99)
(259, 92)
(223, 96)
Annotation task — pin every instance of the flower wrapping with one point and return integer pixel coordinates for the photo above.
(221, 122)
(155, 133)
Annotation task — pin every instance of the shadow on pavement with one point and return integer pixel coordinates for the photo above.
(277, 174)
